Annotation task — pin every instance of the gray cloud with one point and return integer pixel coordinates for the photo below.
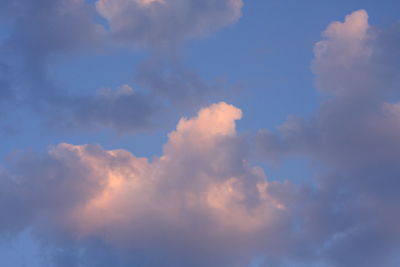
(162, 24)
(176, 83)
(355, 136)
(124, 110)
(40, 31)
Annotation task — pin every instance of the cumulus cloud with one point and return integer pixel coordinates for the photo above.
(354, 136)
(165, 23)
(199, 204)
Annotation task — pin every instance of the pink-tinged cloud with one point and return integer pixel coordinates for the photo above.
(345, 41)
(199, 204)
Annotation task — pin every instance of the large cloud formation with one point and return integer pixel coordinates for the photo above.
(199, 204)
(355, 139)
(37, 33)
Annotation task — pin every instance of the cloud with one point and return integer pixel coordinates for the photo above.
(199, 204)
(165, 23)
(176, 84)
(39, 32)
(50, 26)
(124, 110)
(354, 138)
(36, 33)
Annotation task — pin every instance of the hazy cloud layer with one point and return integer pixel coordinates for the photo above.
(355, 138)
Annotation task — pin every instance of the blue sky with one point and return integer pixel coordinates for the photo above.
(277, 121)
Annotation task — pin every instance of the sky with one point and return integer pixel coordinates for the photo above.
(248, 133)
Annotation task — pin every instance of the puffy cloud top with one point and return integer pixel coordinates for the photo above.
(217, 120)
(199, 204)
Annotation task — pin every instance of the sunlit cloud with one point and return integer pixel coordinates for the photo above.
(205, 199)
(201, 191)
